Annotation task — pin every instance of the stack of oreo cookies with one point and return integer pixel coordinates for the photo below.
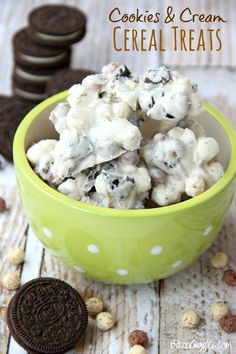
(43, 48)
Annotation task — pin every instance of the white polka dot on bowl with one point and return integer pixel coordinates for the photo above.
(207, 230)
(156, 250)
(93, 249)
(122, 272)
(79, 269)
(47, 232)
(177, 264)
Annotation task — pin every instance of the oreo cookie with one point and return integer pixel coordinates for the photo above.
(47, 315)
(34, 55)
(28, 92)
(35, 76)
(4, 100)
(57, 25)
(12, 111)
(64, 79)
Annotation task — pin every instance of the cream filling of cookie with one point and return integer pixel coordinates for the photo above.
(43, 60)
(56, 38)
(28, 76)
(29, 95)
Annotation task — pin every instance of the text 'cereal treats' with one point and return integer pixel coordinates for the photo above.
(104, 321)
(15, 255)
(219, 310)
(190, 319)
(219, 260)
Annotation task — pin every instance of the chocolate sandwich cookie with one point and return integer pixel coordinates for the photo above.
(64, 79)
(47, 316)
(11, 114)
(4, 100)
(33, 76)
(35, 55)
(28, 92)
(57, 25)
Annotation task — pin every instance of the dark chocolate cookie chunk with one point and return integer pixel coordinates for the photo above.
(30, 53)
(28, 92)
(11, 114)
(35, 76)
(64, 79)
(57, 25)
(47, 316)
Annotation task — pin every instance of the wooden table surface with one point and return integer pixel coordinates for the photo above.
(155, 308)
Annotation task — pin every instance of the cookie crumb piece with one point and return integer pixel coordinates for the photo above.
(2, 205)
(219, 310)
(137, 349)
(11, 281)
(15, 255)
(104, 321)
(138, 337)
(190, 319)
(94, 306)
(228, 323)
(219, 260)
(230, 277)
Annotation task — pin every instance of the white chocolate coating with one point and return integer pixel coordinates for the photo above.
(101, 156)
(187, 162)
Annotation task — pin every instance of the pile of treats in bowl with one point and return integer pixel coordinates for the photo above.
(42, 54)
(129, 141)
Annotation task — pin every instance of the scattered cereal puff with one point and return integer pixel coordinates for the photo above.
(137, 349)
(2, 205)
(104, 321)
(228, 323)
(230, 277)
(94, 306)
(219, 260)
(138, 337)
(11, 281)
(15, 255)
(190, 319)
(219, 310)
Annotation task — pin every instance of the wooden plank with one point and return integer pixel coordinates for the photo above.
(200, 284)
(30, 270)
(12, 234)
(132, 307)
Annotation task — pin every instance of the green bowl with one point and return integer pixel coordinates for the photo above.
(123, 246)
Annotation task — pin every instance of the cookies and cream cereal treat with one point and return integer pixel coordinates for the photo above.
(186, 161)
(126, 138)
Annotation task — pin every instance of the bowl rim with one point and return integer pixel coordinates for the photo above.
(23, 165)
